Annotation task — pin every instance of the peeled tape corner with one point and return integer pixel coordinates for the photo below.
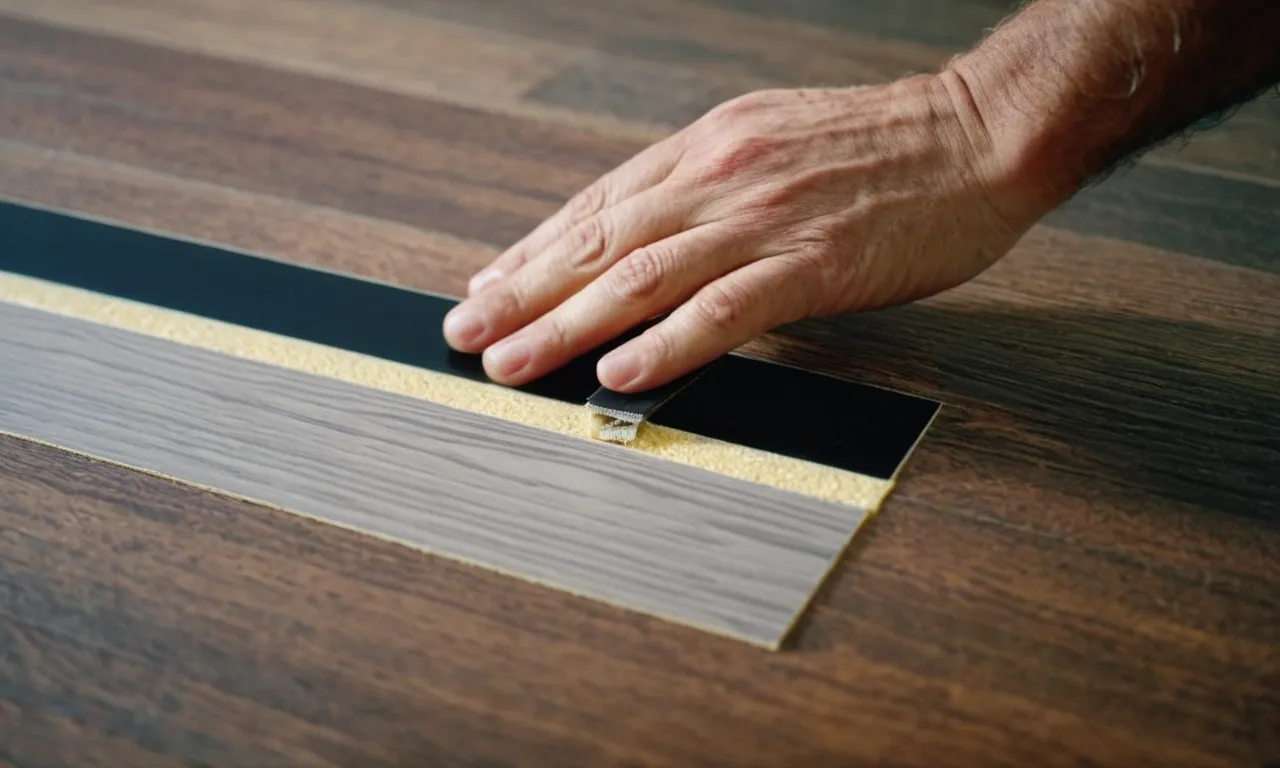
(614, 426)
(616, 417)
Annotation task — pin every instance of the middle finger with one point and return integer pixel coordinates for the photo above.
(570, 263)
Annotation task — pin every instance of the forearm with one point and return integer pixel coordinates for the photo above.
(1067, 88)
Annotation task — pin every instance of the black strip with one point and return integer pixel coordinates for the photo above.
(357, 315)
(801, 414)
(643, 404)
(750, 402)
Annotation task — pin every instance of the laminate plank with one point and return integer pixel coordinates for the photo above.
(459, 171)
(708, 39)
(359, 43)
(945, 641)
(1245, 140)
(377, 46)
(1229, 220)
(946, 23)
(286, 229)
(547, 508)
(37, 737)
(637, 90)
(116, 693)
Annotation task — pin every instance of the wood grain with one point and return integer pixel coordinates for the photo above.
(453, 169)
(358, 43)
(1080, 566)
(649, 535)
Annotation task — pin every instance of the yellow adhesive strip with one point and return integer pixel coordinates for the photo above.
(748, 464)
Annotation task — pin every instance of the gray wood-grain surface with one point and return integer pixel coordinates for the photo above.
(602, 521)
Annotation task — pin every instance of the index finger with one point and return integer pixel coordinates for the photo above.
(642, 171)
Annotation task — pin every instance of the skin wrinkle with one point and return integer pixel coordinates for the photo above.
(848, 199)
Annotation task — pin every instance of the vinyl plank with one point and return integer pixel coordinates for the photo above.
(642, 91)
(377, 46)
(460, 171)
(360, 43)
(1245, 141)
(288, 230)
(1234, 221)
(519, 500)
(116, 693)
(40, 736)
(945, 23)
(707, 39)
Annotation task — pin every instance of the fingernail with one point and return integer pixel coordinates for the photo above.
(508, 358)
(486, 277)
(618, 369)
(463, 326)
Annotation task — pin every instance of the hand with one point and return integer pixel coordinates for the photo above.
(774, 207)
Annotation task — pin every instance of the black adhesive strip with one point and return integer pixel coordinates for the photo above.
(762, 405)
(643, 405)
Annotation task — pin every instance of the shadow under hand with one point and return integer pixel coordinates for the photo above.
(1181, 410)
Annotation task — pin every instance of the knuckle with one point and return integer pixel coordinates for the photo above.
(723, 305)
(639, 276)
(734, 155)
(588, 242)
(554, 333)
(660, 346)
(740, 105)
(588, 202)
(507, 301)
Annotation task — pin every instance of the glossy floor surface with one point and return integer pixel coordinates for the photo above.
(1080, 566)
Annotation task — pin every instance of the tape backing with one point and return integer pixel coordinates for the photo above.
(776, 409)
(619, 415)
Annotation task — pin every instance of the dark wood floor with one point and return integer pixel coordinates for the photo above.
(1081, 566)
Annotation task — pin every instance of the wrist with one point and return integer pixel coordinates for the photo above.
(1031, 163)
(1061, 91)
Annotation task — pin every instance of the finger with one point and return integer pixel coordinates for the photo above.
(568, 264)
(646, 169)
(643, 284)
(719, 318)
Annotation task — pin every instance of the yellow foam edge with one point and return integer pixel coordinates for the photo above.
(727, 459)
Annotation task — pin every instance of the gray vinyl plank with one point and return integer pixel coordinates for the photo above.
(601, 521)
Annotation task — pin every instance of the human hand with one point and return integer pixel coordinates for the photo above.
(774, 207)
